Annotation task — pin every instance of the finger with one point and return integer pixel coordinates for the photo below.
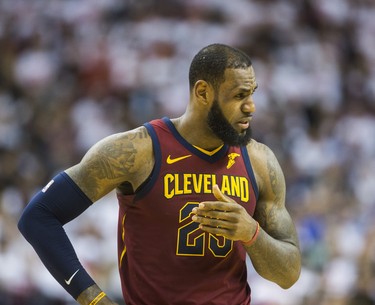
(219, 195)
(216, 206)
(207, 216)
(205, 207)
(219, 231)
(211, 222)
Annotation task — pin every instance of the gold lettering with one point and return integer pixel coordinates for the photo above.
(244, 183)
(225, 187)
(187, 184)
(180, 184)
(197, 183)
(207, 182)
(213, 180)
(168, 179)
(177, 189)
(235, 186)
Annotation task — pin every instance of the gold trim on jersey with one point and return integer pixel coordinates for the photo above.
(123, 239)
(207, 152)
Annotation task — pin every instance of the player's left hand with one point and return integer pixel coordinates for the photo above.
(224, 217)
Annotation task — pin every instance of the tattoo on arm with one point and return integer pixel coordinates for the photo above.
(106, 164)
(268, 211)
(140, 134)
(276, 177)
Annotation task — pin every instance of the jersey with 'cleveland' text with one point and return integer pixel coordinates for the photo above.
(164, 258)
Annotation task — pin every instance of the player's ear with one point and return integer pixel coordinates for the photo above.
(203, 92)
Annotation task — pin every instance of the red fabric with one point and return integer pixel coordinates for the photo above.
(163, 257)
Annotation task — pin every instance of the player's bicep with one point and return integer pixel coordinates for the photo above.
(271, 212)
(106, 165)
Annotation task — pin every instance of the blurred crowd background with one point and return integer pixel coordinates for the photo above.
(73, 72)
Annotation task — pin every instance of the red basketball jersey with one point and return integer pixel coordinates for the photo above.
(163, 257)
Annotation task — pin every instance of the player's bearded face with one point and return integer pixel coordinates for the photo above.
(224, 130)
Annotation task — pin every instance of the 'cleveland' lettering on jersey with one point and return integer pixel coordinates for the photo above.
(190, 183)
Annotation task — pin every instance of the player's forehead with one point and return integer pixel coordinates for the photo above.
(240, 78)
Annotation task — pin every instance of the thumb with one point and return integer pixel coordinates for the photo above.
(219, 195)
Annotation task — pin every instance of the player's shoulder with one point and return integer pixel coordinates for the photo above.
(132, 149)
(262, 159)
(135, 143)
(134, 137)
(137, 135)
(258, 150)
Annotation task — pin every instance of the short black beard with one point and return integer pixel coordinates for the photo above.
(223, 130)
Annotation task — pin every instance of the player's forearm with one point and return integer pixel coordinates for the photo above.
(42, 223)
(275, 260)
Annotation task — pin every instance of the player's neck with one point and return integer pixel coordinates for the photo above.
(196, 133)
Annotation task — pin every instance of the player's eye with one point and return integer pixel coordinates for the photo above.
(241, 96)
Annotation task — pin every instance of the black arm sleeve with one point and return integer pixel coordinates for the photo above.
(41, 223)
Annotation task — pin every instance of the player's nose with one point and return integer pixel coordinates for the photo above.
(249, 105)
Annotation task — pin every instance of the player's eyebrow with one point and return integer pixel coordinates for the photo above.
(254, 88)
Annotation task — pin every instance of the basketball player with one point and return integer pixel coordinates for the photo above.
(196, 195)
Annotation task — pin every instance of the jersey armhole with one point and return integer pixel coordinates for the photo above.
(250, 170)
(150, 181)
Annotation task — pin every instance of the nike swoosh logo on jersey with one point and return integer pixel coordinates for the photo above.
(70, 279)
(174, 160)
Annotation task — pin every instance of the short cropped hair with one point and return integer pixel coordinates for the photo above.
(210, 63)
